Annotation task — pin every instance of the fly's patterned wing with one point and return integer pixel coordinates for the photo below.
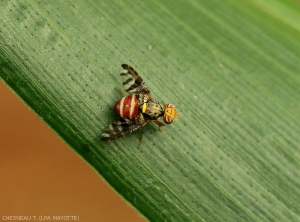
(121, 128)
(134, 84)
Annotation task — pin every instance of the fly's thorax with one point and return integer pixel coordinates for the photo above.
(152, 110)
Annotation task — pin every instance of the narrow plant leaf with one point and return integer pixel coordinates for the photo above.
(230, 67)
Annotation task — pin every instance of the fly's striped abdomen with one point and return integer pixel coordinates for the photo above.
(127, 107)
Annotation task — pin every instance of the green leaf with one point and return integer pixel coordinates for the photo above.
(230, 67)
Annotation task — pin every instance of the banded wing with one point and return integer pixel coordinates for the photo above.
(134, 84)
(121, 128)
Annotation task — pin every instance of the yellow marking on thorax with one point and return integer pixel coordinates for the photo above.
(144, 107)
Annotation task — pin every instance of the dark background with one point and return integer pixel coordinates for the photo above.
(41, 176)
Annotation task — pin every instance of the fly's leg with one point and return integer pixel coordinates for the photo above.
(122, 92)
(160, 124)
(141, 139)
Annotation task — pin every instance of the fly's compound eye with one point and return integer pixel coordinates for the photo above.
(169, 114)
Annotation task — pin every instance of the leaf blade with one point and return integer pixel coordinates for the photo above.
(234, 152)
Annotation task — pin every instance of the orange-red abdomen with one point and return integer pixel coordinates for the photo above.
(127, 107)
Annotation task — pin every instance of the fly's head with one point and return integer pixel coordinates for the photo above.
(170, 113)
